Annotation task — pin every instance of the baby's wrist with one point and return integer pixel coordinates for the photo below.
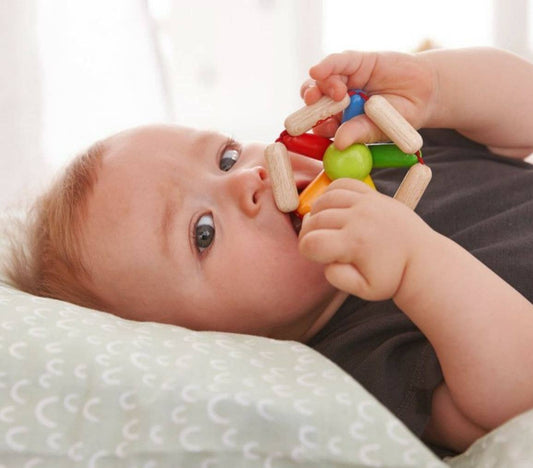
(419, 261)
(438, 108)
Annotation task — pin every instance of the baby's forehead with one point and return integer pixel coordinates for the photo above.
(150, 138)
(149, 134)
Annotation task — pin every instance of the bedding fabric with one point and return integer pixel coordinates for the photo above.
(80, 388)
(509, 446)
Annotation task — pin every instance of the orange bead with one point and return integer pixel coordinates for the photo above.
(313, 190)
(317, 188)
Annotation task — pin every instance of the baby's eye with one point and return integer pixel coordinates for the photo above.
(204, 232)
(228, 159)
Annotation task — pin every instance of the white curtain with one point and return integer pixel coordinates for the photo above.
(236, 66)
(513, 26)
(99, 72)
(73, 71)
(21, 162)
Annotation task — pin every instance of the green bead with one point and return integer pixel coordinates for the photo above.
(389, 155)
(354, 162)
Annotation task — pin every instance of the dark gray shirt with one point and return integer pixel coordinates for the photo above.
(484, 203)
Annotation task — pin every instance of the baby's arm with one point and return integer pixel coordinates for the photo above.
(486, 94)
(481, 328)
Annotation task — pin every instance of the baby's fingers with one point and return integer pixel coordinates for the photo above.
(310, 92)
(342, 193)
(359, 129)
(324, 246)
(347, 278)
(333, 86)
(344, 63)
(326, 219)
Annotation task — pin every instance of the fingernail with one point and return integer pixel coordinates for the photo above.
(340, 145)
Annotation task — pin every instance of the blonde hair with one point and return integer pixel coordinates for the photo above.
(45, 258)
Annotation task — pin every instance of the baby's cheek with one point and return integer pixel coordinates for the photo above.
(308, 276)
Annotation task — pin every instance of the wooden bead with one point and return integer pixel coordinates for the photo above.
(305, 118)
(413, 185)
(393, 124)
(281, 176)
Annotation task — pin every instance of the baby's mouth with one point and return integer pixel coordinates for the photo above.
(296, 222)
(296, 219)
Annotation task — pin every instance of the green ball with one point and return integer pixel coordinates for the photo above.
(354, 162)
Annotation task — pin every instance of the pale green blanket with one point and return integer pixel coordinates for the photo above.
(80, 388)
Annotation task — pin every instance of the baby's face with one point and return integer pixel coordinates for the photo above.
(182, 228)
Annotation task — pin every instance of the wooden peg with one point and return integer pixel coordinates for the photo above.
(393, 124)
(413, 185)
(281, 176)
(305, 118)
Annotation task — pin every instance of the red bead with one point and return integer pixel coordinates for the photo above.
(307, 144)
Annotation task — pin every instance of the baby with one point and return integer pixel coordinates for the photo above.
(176, 225)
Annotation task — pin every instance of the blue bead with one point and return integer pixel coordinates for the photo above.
(356, 107)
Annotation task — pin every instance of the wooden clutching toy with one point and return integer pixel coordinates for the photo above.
(356, 161)
(280, 169)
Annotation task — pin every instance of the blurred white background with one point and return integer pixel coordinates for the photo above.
(73, 71)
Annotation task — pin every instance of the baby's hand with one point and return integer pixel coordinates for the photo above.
(366, 239)
(407, 81)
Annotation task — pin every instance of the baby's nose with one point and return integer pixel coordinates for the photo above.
(248, 186)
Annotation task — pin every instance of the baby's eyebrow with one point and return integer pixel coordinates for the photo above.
(167, 221)
(207, 141)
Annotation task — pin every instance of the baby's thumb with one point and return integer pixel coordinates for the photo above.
(346, 277)
(359, 129)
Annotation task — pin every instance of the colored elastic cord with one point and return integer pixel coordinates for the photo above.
(351, 92)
